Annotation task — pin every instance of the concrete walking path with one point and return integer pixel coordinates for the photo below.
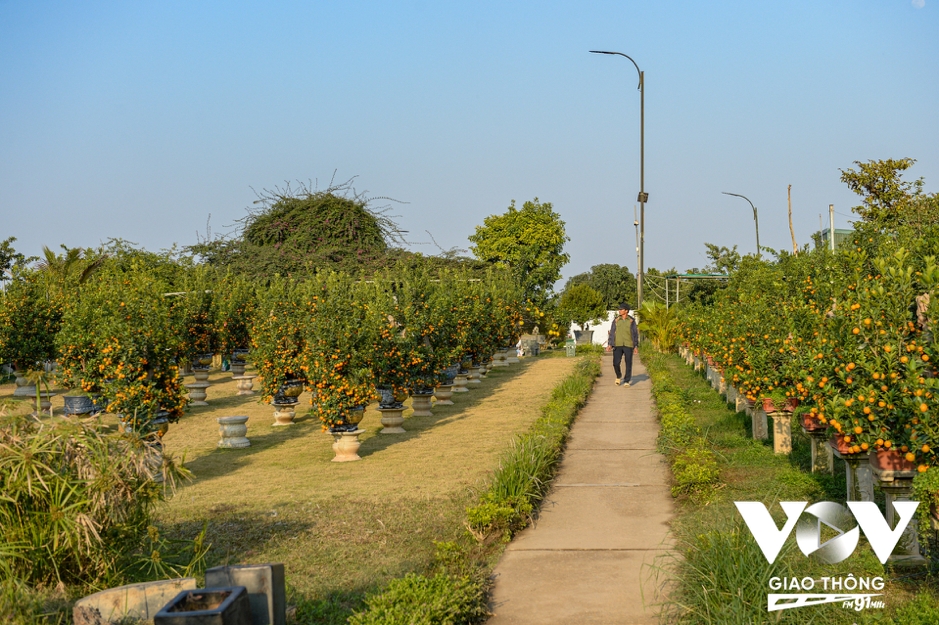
(586, 558)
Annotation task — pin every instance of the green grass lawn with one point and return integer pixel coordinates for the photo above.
(343, 529)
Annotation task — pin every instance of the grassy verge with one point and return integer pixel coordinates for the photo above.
(718, 574)
(455, 590)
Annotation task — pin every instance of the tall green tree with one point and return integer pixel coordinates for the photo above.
(885, 196)
(723, 259)
(10, 258)
(582, 305)
(529, 242)
(615, 284)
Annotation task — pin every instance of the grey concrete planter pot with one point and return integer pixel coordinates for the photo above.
(207, 606)
(233, 432)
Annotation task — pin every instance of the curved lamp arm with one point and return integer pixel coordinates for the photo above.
(755, 219)
(628, 57)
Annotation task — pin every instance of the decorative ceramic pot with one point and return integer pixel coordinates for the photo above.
(244, 384)
(444, 394)
(450, 373)
(24, 388)
(284, 411)
(810, 422)
(202, 361)
(838, 443)
(78, 404)
(891, 460)
(473, 376)
(392, 419)
(387, 398)
(355, 415)
(239, 355)
(347, 446)
(460, 383)
(197, 393)
(421, 403)
(292, 388)
(768, 405)
(160, 425)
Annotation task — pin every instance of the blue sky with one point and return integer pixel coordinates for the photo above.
(139, 119)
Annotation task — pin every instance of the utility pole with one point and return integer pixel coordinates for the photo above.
(638, 254)
(795, 246)
(831, 226)
(643, 196)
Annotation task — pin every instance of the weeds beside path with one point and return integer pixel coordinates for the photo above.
(721, 577)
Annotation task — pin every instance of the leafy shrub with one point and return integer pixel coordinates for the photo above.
(22, 605)
(694, 465)
(678, 429)
(420, 600)
(502, 518)
(695, 471)
(75, 506)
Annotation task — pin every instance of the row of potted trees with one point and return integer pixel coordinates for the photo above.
(120, 338)
(845, 342)
(848, 335)
(349, 342)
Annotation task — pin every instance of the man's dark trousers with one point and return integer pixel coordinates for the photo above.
(627, 353)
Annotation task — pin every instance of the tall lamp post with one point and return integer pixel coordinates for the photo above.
(756, 221)
(643, 196)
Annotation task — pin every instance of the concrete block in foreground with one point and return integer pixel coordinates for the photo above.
(134, 601)
(266, 589)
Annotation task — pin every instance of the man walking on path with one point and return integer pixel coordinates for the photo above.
(624, 341)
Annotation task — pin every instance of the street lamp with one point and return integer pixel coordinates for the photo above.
(755, 220)
(636, 226)
(643, 196)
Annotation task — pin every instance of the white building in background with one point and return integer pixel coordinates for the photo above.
(600, 330)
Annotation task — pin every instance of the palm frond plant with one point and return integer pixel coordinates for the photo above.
(77, 504)
(661, 324)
